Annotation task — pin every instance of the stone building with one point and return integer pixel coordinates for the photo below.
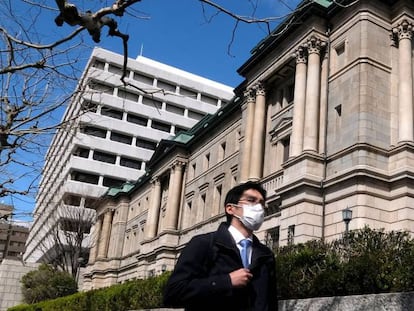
(324, 120)
(111, 132)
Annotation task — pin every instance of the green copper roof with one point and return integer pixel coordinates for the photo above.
(325, 3)
(116, 190)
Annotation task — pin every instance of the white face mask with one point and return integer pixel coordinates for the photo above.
(253, 216)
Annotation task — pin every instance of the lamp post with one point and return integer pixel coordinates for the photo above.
(346, 217)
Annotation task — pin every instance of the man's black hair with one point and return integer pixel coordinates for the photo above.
(234, 194)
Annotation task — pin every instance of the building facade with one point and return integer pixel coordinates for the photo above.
(13, 236)
(111, 131)
(324, 120)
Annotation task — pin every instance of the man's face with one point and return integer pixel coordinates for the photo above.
(249, 197)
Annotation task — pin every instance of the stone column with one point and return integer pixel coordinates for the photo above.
(313, 89)
(105, 234)
(404, 31)
(298, 119)
(323, 103)
(259, 126)
(96, 233)
(117, 236)
(174, 196)
(154, 209)
(248, 135)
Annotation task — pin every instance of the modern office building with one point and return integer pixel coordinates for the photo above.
(13, 235)
(111, 131)
(324, 120)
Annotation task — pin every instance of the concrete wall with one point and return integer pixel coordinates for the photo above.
(380, 302)
(11, 272)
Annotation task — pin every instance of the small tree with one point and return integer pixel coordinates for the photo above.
(47, 283)
(68, 240)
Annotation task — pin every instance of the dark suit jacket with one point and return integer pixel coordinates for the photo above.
(201, 281)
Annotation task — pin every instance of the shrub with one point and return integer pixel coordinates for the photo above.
(47, 283)
(367, 262)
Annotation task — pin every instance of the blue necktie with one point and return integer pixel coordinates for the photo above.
(245, 244)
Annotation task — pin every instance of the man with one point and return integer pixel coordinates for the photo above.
(209, 274)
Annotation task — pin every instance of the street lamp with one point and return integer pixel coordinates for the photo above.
(346, 217)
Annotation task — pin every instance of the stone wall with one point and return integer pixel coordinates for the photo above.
(11, 272)
(380, 302)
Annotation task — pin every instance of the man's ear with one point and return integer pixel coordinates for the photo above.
(230, 209)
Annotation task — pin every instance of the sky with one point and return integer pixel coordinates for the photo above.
(180, 33)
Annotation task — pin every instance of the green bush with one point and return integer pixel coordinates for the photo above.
(47, 283)
(132, 295)
(367, 262)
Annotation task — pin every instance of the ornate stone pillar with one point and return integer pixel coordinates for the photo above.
(96, 233)
(154, 209)
(174, 196)
(259, 126)
(105, 234)
(298, 119)
(404, 32)
(117, 235)
(250, 97)
(313, 89)
(323, 103)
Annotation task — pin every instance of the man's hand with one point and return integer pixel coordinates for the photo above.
(240, 278)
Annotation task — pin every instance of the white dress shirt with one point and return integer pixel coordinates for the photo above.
(237, 236)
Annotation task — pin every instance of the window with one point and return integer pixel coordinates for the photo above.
(273, 237)
(133, 118)
(286, 146)
(128, 95)
(291, 234)
(208, 99)
(99, 64)
(188, 93)
(222, 151)
(81, 152)
(175, 109)
(74, 225)
(179, 129)
(143, 143)
(97, 86)
(74, 200)
(142, 78)
(132, 163)
(112, 113)
(112, 182)
(206, 161)
(339, 56)
(290, 93)
(118, 70)
(104, 157)
(195, 115)
(89, 106)
(161, 126)
(94, 131)
(151, 102)
(272, 208)
(166, 86)
(121, 138)
(85, 177)
(193, 170)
